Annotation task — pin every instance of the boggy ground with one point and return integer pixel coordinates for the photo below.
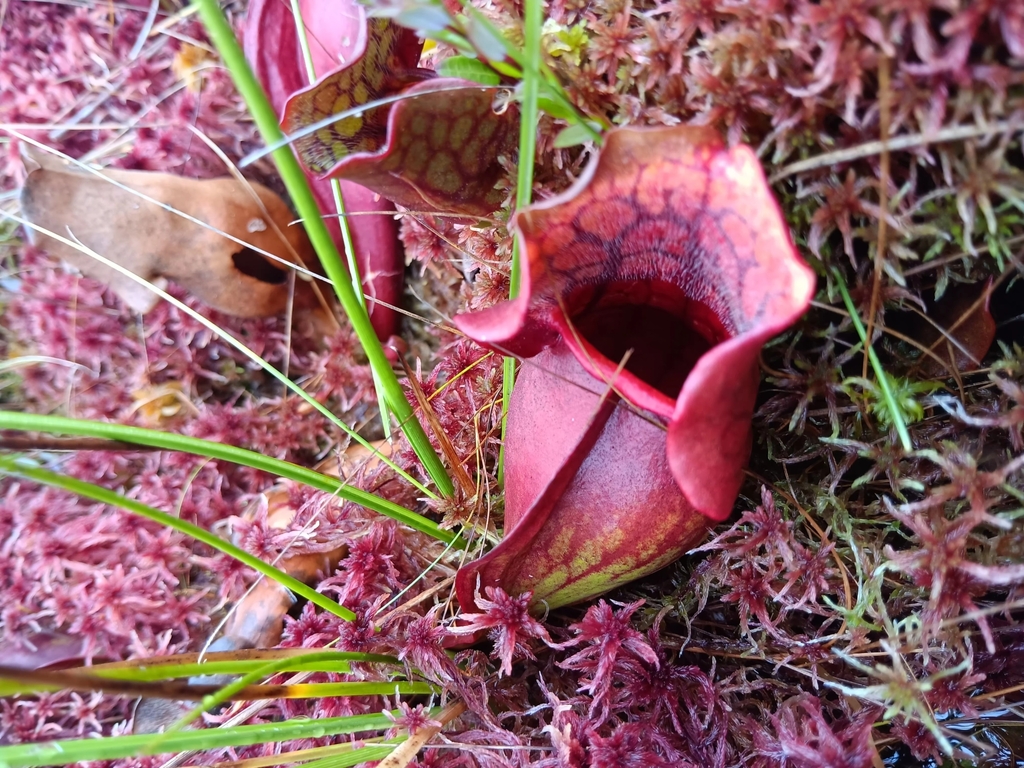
(863, 603)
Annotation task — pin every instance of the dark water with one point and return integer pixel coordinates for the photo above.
(997, 744)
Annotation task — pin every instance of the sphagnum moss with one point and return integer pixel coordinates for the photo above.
(867, 599)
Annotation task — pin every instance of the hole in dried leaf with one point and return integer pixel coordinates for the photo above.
(666, 330)
(1008, 311)
(250, 263)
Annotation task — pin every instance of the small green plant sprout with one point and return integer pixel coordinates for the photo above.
(1011, 363)
(894, 402)
(900, 693)
(564, 42)
(508, 52)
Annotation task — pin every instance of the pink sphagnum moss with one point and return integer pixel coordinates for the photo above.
(859, 599)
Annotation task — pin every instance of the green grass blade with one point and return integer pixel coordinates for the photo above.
(238, 662)
(363, 688)
(876, 365)
(223, 38)
(216, 663)
(22, 468)
(528, 116)
(30, 422)
(295, 691)
(236, 688)
(117, 747)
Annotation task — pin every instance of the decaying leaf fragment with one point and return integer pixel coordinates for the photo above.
(158, 244)
(45, 649)
(968, 330)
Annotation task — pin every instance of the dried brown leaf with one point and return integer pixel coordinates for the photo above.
(158, 244)
(968, 330)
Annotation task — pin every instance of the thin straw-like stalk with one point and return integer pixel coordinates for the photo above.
(295, 181)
